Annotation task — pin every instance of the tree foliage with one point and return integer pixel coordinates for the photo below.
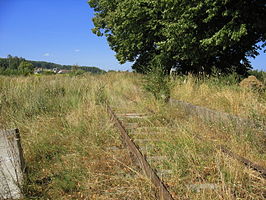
(25, 68)
(193, 35)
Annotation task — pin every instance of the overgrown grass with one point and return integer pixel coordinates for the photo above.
(68, 139)
(190, 144)
(218, 94)
(73, 152)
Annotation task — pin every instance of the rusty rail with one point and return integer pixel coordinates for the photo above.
(243, 160)
(239, 158)
(164, 194)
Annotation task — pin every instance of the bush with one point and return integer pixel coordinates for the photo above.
(158, 83)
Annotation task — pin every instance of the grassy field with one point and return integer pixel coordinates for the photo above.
(73, 151)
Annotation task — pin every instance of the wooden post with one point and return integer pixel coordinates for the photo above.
(12, 164)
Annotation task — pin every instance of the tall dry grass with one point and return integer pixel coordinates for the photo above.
(221, 95)
(190, 144)
(71, 149)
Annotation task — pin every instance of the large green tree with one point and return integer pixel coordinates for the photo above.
(192, 35)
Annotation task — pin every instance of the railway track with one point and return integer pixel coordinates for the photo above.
(142, 138)
(223, 148)
(162, 191)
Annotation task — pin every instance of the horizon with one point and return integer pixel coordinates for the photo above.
(90, 65)
(61, 33)
(50, 62)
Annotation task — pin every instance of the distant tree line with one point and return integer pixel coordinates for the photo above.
(192, 36)
(13, 65)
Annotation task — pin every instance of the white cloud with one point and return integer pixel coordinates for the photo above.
(46, 54)
(77, 50)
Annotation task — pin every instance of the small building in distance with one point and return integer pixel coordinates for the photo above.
(55, 70)
(38, 70)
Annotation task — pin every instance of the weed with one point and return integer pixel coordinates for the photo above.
(158, 83)
(101, 97)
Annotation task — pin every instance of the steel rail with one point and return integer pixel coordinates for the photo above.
(163, 193)
(244, 161)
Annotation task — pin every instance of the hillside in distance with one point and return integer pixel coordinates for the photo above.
(13, 62)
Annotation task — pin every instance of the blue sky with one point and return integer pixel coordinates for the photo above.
(60, 32)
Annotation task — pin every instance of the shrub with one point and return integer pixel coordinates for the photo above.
(158, 83)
